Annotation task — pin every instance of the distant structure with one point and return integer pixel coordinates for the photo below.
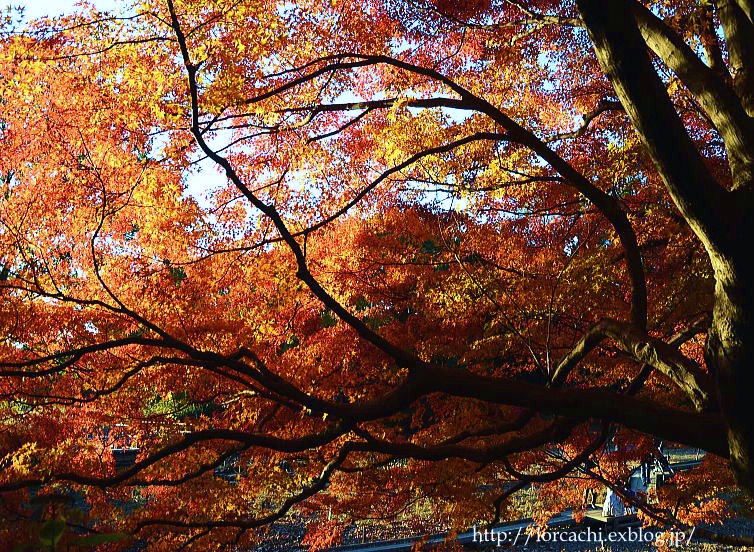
(652, 473)
(613, 505)
(125, 457)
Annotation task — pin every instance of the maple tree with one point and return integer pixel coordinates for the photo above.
(372, 259)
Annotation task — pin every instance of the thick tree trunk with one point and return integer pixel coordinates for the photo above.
(730, 355)
(720, 218)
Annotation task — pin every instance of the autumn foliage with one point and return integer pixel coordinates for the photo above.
(323, 262)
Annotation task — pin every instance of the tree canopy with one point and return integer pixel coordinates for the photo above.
(370, 259)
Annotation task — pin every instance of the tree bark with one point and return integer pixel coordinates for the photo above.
(735, 16)
(719, 218)
(730, 356)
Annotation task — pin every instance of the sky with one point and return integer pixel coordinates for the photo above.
(197, 182)
(39, 8)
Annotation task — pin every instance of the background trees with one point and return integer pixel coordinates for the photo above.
(370, 256)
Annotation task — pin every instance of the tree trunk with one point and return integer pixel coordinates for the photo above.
(720, 218)
(730, 356)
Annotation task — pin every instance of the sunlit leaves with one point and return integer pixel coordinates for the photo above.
(117, 230)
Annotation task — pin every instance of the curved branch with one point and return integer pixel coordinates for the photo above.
(603, 107)
(715, 96)
(556, 431)
(401, 357)
(541, 19)
(644, 349)
(318, 485)
(736, 19)
(621, 51)
(517, 423)
(67, 359)
(445, 148)
(607, 205)
(701, 430)
(247, 439)
(567, 467)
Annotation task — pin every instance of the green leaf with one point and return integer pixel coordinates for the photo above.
(51, 532)
(178, 275)
(431, 248)
(100, 538)
(327, 319)
(361, 303)
(291, 343)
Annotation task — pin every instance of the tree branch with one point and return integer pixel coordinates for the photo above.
(715, 96)
(644, 349)
(248, 439)
(622, 54)
(318, 485)
(401, 357)
(705, 431)
(607, 205)
(736, 19)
